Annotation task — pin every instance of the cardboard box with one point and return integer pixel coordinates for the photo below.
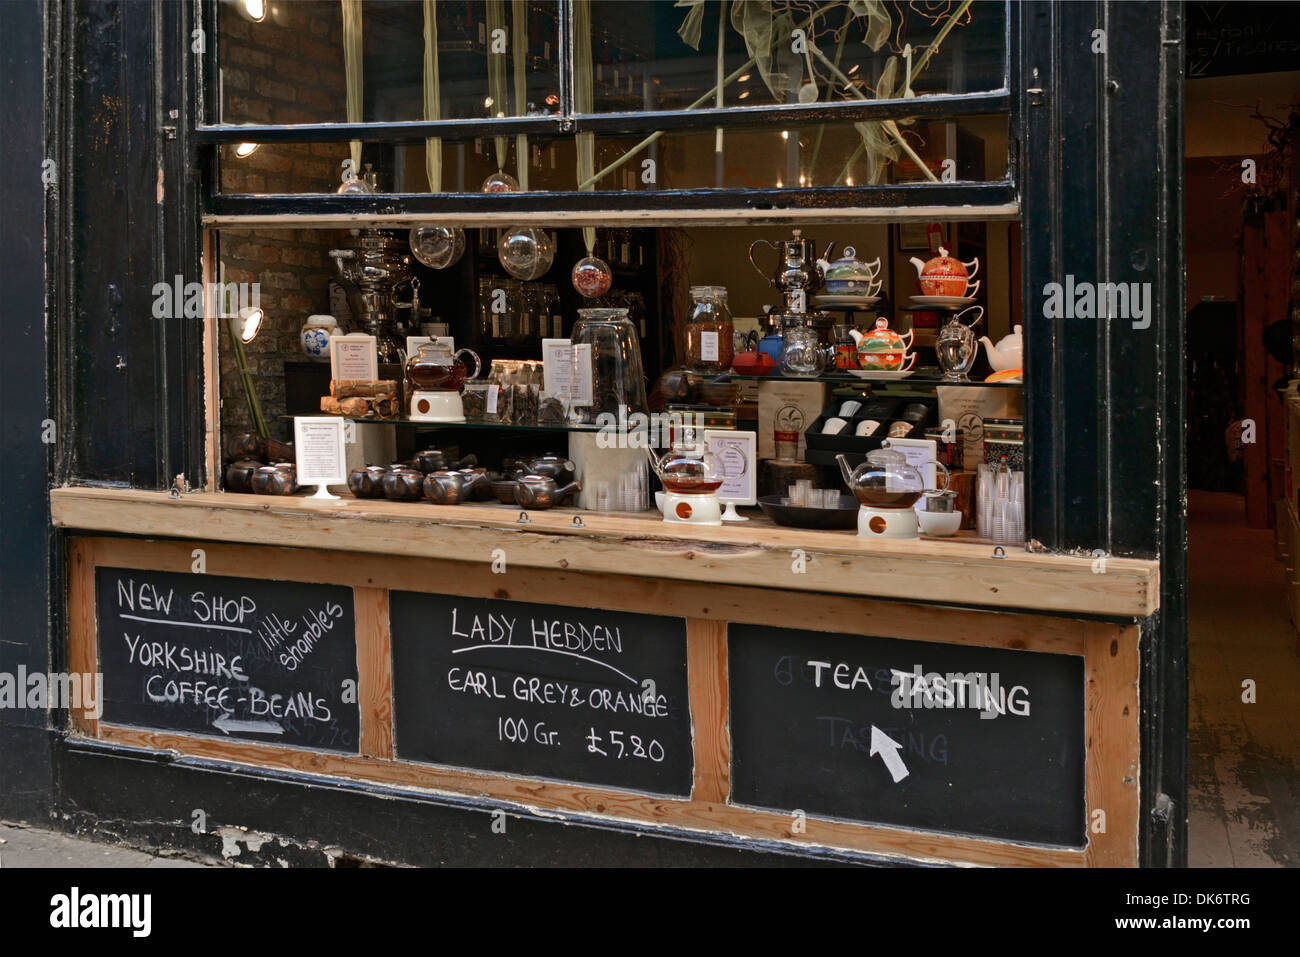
(969, 406)
(795, 405)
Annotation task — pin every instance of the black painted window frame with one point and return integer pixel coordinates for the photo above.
(787, 202)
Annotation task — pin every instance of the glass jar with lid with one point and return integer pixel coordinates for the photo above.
(710, 333)
(617, 379)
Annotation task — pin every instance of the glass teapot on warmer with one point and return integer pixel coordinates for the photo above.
(886, 479)
(435, 376)
(688, 467)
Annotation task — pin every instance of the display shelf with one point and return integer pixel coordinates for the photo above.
(843, 378)
(484, 426)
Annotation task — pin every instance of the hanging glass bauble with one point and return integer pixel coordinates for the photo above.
(526, 252)
(438, 246)
(592, 277)
(500, 182)
(355, 185)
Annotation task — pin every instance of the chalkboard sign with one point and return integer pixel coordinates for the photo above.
(985, 741)
(267, 661)
(1226, 39)
(575, 694)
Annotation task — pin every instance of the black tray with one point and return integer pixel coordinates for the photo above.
(802, 516)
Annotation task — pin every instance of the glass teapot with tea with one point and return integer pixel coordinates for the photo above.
(691, 476)
(887, 487)
(435, 377)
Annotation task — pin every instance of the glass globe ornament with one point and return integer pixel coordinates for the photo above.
(437, 246)
(591, 277)
(500, 182)
(526, 252)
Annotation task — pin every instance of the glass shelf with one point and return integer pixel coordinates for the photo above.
(419, 424)
(923, 378)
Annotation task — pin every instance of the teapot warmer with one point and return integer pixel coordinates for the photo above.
(887, 522)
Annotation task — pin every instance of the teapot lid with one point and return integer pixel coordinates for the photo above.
(886, 456)
(847, 265)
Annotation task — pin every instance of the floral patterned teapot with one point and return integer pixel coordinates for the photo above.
(848, 276)
(883, 349)
(946, 275)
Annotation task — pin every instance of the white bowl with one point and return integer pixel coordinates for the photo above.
(939, 524)
(659, 500)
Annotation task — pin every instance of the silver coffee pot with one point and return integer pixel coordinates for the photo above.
(796, 274)
(372, 269)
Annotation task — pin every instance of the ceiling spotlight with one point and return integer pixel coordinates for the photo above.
(743, 79)
(785, 134)
(245, 149)
(255, 10)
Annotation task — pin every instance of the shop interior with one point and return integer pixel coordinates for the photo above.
(1242, 127)
(830, 341)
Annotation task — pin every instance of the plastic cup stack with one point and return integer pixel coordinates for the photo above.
(1000, 508)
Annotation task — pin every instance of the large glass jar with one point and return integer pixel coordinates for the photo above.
(709, 331)
(617, 379)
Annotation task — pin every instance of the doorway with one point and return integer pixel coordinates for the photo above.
(1241, 180)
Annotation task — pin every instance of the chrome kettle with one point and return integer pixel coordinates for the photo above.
(797, 273)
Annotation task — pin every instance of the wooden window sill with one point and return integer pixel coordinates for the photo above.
(752, 553)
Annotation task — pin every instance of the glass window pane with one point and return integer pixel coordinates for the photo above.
(494, 58)
(831, 154)
(665, 56)
(973, 148)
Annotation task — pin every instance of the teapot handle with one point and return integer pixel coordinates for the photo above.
(947, 476)
(758, 269)
(974, 322)
(478, 363)
(973, 267)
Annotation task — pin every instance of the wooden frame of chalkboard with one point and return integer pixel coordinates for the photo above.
(1108, 651)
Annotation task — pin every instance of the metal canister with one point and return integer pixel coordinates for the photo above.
(1005, 437)
(949, 446)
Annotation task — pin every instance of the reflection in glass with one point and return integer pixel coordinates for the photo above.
(289, 68)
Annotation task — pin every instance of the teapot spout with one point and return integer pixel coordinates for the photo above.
(920, 266)
(654, 461)
(995, 360)
(845, 470)
(574, 486)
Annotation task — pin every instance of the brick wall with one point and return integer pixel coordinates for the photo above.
(287, 69)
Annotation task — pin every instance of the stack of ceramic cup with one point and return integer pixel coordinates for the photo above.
(1000, 514)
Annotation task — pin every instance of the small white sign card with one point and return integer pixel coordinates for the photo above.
(920, 454)
(738, 452)
(318, 443)
(354, 356)
(566, 370)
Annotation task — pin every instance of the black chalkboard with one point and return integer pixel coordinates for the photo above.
(575, 694)
(268, 661)
(1226, 39)
(806, 707)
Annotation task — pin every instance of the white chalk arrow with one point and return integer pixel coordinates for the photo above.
(888, 749)
(228, 724)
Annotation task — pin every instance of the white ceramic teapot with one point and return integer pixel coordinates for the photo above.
(1008, 353)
